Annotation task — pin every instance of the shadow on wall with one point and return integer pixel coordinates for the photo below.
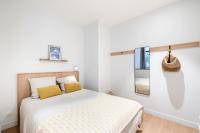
(176, 88)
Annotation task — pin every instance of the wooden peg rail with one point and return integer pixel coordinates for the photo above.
(161, 48)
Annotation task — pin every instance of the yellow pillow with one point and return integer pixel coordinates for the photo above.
(49, 91)
(71, 87)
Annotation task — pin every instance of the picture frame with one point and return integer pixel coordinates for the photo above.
(54, 52)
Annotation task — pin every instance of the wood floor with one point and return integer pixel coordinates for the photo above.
(151, 124)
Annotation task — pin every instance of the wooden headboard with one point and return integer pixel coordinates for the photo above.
(23, 86)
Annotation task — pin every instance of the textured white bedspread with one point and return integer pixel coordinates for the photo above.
(83, 111)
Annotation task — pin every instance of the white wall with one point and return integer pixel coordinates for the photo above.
(174, 96)
(104, 58)
(26, 30)
(97, 57)
(91, 56)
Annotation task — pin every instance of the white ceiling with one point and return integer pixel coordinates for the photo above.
(110, 12)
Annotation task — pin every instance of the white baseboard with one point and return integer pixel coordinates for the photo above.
(199, 127)
(199, 124)
(173, 118)
(8, 125)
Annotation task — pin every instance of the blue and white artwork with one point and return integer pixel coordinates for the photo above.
(54, 53)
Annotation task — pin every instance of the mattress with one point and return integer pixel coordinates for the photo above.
(81, 111)
(142, 85)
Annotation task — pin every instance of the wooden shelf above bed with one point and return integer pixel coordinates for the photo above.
(42, 59)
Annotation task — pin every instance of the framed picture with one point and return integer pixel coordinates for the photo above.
(54, 52)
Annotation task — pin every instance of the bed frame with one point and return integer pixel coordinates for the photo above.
(23, 86)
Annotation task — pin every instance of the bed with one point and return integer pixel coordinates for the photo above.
(78, 112)
(142, 85)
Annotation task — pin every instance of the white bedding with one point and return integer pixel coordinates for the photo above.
(142, 85)
(83, 111)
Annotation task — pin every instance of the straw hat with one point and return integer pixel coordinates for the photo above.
(171, 63)
(174, 64)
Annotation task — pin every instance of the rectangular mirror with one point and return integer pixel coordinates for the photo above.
(142, 70)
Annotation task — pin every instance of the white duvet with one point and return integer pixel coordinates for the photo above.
(83, 111)
(142, 85)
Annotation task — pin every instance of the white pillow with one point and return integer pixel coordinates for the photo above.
(36, 83)
(64, 80)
